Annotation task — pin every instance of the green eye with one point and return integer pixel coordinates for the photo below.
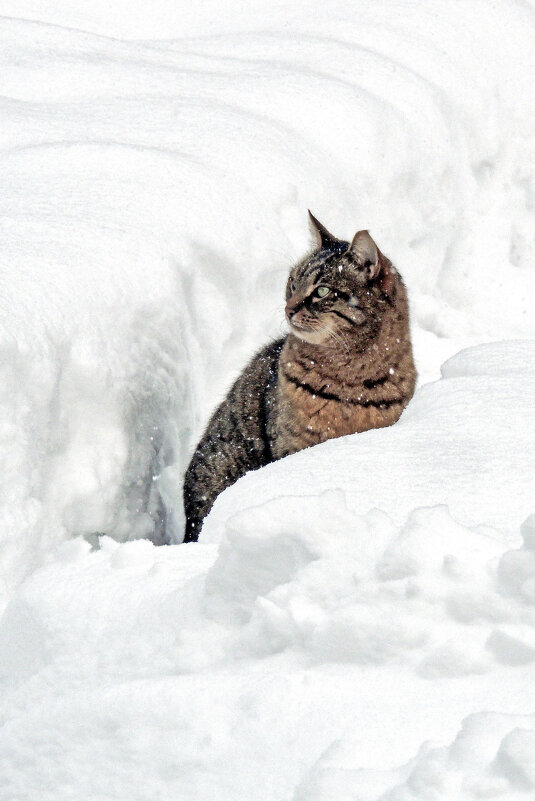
(322, 291)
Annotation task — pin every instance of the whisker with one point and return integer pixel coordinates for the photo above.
(335, 337)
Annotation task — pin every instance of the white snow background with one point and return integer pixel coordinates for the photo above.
(357, 621)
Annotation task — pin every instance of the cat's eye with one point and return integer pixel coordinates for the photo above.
(322, 291)
(292, 286)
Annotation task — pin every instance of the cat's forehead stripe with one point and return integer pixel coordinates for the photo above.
(314, 276)
(313, 266)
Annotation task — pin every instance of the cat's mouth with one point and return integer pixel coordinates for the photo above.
(315, 336)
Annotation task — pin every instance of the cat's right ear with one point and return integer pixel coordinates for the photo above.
(323, 237)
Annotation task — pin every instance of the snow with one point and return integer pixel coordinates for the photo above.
(455, 444)
(357, 620)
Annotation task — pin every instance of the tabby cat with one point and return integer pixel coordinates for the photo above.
(346, 366)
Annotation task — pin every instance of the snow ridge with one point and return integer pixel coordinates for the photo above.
(357, 620)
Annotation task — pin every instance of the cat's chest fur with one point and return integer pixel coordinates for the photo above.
(309, 417)
(317, 400)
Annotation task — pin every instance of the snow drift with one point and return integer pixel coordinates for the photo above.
(357, 620)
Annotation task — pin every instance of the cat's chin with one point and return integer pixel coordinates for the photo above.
(310, 336)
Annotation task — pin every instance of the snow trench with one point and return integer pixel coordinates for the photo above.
(356, 621)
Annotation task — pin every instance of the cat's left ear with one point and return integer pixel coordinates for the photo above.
(368, 257)
(366, 253)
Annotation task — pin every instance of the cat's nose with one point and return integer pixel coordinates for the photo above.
(293, 306)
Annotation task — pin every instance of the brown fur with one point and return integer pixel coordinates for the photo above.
(346, 367)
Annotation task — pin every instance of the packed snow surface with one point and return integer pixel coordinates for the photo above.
(357, 621)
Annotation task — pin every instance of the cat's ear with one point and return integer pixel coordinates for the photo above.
(324, 238)
(368, 257)
(366, 253)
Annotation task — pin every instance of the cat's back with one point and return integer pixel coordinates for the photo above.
(237, 437)
(241, 417)
(252, 396)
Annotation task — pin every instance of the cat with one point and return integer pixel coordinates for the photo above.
(345, 367)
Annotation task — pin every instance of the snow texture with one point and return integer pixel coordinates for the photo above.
(357, 622)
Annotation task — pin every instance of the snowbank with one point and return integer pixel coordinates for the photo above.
(316, 638)
(357, 620)
(154, 195)
(491, 757)
(466, 441)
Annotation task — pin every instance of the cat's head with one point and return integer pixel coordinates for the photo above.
(340, 290)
